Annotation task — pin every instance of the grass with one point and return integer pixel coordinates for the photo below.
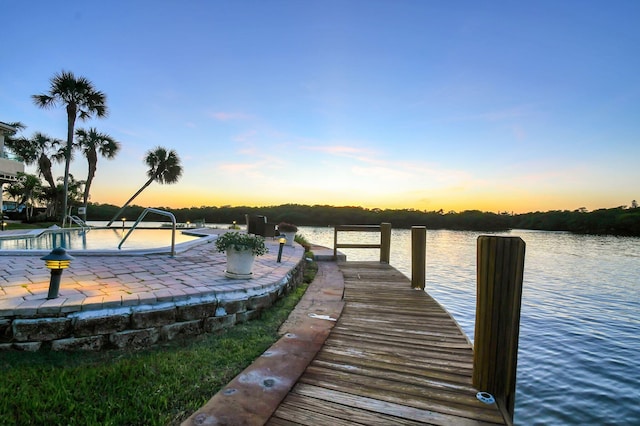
(158, 386)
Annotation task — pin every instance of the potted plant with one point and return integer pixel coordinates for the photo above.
(289, 231)
(241, 250)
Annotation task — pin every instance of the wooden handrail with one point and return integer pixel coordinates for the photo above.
(385, 239)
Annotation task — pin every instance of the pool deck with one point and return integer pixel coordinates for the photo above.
(113, 284)
(113, 281)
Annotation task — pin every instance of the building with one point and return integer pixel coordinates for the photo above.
(10, 165)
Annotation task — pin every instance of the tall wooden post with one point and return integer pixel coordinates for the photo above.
(418, 256)
(385, 242)
(500, 272)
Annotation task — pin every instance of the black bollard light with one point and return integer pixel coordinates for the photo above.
(124, 219)
(57, 261)
(281, 241)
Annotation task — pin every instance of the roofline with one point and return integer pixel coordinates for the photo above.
(6, 128)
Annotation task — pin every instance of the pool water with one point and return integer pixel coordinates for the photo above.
(96, 239)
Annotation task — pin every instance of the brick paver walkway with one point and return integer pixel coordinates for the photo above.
(111, 281)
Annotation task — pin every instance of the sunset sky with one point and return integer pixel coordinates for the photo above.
(453, 105)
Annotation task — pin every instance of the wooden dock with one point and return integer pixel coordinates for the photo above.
(395, 357)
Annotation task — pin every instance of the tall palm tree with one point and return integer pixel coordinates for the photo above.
(164, 168)
(91, 143)
(82, 101)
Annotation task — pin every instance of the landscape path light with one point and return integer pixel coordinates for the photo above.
(124, 219)
(56, 261)
(281, 241)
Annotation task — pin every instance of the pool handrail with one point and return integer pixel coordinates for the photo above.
(81, 223)
(160, 212)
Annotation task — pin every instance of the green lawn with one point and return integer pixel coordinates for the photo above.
(158, 386)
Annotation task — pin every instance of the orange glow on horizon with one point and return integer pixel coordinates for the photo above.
(181, 199)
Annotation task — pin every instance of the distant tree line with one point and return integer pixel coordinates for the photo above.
(614, 221)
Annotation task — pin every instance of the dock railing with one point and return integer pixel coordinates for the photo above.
(385, 239)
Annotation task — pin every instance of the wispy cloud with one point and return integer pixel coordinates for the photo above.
(360, 154)
(247, 136)
(229, 116)
(238, 167)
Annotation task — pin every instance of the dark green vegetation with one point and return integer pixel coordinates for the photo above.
(158, 386)
(615, 221)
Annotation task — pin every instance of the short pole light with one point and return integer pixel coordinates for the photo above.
(56, 261)
(124, 219)
(3, 225)
(281, 241)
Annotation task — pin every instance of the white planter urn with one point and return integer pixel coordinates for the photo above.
(239, 264)
(290, 237)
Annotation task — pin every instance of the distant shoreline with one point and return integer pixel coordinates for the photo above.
(620, 221)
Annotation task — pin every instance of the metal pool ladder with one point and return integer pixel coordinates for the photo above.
(79, 222)
(160, 212)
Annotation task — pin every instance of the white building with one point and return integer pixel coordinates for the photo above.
(10, 165)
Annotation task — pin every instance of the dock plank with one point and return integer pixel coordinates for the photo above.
(395, 356)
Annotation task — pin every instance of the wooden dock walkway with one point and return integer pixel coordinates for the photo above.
(395, 357)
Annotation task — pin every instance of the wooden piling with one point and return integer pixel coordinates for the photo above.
(499, 292)
(418, 256)
(385, 242)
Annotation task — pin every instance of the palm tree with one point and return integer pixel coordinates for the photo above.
(39, 150)
(91, 143)
(164, 168)
(82, 101)
(14, 190)
(28, 188)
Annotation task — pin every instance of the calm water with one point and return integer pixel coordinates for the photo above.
(579, 352)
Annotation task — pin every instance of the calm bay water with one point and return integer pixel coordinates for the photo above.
(579, 349)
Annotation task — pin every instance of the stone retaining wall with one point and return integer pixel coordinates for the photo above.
(144, 325)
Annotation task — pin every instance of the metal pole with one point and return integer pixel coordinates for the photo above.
(280, 251)
(54, 283)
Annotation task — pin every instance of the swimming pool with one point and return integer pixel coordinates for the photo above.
(106, 239)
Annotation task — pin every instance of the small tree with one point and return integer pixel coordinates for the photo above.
(30, 190)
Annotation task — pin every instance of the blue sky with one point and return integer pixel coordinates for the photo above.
(490, 105)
